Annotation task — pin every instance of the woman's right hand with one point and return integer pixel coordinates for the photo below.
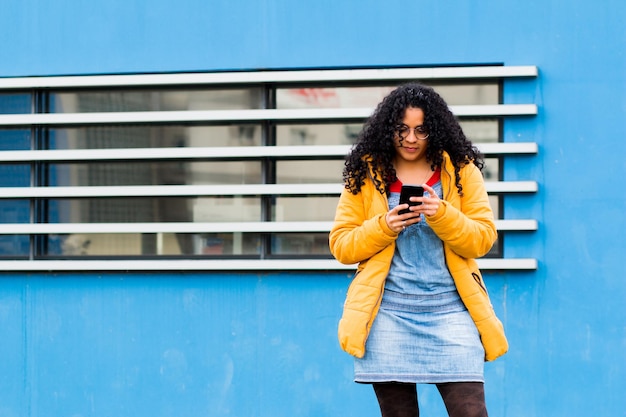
(398, 222)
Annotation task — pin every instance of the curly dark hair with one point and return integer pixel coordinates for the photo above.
(375, 143)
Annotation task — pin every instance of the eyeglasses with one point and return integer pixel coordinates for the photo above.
(404, 131)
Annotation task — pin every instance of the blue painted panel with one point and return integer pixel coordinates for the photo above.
(14, 377)
(191, 345)
(74, 37)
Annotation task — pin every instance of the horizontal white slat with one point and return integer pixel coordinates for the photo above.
(218, 78)
(511, 186)
(225, 152)
(495, 110)
(181, 116)
(224, 265)
(170, 190)
(215, 116)
(516, 225)
(499, 148)
(231, 152)
(215, 190)
(204, 227)
(507, 263)
(170, 227)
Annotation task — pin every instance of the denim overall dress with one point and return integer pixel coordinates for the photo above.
(423, 333)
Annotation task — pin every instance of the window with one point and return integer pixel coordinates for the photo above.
(241, 166)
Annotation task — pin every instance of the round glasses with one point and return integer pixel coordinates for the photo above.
(404, 131)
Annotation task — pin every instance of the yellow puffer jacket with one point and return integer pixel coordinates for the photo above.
(465, 224)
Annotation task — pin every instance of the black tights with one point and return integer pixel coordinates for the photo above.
(462, 399)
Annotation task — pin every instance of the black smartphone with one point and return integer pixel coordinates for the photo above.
(410, 191)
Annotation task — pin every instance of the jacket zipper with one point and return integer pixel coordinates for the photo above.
(447, 192)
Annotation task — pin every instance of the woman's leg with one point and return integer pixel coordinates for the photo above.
(464, 399)
(397, 399)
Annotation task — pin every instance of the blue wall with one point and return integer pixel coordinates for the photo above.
(161, 345)
(264, 344)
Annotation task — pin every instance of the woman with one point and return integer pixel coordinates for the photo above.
(417, 310)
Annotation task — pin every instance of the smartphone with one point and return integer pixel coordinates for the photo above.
(410, 191)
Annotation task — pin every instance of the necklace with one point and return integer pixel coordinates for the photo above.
(410, 178)
(427, 177)
(408, 172)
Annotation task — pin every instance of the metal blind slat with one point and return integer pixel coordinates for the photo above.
(215, 190)
(239, 152)
(203, 227)
(223, 116)
(220, 78)
(226, 264)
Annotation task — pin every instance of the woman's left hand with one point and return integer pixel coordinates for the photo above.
(430, 204)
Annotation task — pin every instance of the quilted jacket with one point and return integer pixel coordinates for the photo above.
(465, 224)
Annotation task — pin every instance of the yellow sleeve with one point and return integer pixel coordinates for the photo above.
(357, 234)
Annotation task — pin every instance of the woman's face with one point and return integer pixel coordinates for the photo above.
(411, 138)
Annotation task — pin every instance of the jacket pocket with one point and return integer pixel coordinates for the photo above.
(479, 281)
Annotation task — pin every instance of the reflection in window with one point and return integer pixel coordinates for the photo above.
(158, 100)
(491, 169)
(155, 173)
(153, 244)
(311, 172)
(310, 209)
(160, 209)
(15, 103)
(336, 97)
(113, 137)
(14, 211)
(220, 244)
(169, 244)
(14, 175)
(304, 244)
(351, 97)
(14, 246)
(15, 139)
(494, 200)
(459, 94)
(481, 131)
(317, 134)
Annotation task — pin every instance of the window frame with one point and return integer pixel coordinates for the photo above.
(40, 120)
